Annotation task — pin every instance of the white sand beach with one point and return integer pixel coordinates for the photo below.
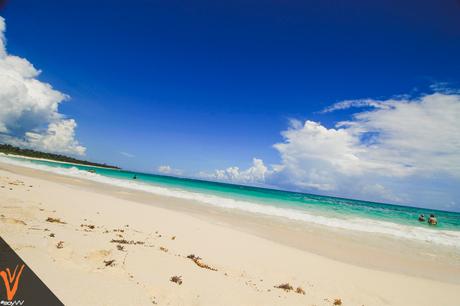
(95, 244)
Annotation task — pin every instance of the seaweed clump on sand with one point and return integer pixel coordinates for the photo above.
(199, 263)
(299, 290)
(124, 241)
(337, 302)
(286, 287)
(176, 279)
(89, 226)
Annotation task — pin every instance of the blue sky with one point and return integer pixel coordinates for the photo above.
(203, 86)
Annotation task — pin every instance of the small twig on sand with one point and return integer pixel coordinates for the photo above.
(55, 220)
(109, 263)
(199, 263)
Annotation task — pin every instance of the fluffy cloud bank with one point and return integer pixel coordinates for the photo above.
(399, 150)
(29, 115)
(253, 175)
(165, 169)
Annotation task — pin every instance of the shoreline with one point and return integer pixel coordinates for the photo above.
(317, 239)
(55, 161)
(332, 250)
(440, 236)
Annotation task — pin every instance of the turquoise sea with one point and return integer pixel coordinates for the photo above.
(393, 220)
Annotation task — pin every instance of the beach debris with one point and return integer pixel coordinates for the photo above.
(120, 247)
(109, 263)
(176, 279)
(199, 263)
(16, 183)
(118, 230)
(164, 249)
(60, 244)
(173, 238)
(55, 220)
(13, 221)
(299, 290)
(52, 235)
(90, 226)
(124, 241)
(337, 302)
(286, 287)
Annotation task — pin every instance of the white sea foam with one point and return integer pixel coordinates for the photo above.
(442, 237)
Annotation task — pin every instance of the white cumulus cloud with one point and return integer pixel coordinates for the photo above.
(59, 137)
(165, 169)
(257, 173)
(399, 150)
(29, 113)
(380, 152)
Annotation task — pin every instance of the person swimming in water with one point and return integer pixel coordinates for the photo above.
(421, 218)
(432, 220)
(135, 177)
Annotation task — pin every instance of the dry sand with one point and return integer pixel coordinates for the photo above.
(113, 249)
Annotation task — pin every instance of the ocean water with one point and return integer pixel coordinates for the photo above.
(392, 220)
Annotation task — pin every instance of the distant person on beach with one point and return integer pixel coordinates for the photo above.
(421, 218)
(135, 177)
(432, 220)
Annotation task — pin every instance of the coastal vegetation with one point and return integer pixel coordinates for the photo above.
(9, 149)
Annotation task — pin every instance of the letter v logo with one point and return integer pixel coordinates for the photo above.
(11, 279)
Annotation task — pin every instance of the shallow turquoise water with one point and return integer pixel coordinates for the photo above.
(331, 207)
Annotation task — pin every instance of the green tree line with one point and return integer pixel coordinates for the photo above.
(9, 149)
